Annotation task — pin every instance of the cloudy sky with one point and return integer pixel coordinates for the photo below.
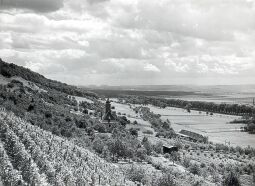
(131, 42)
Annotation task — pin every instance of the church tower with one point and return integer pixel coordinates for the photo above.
(108, 117)
(108, 106)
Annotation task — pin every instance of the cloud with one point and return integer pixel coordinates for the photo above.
(151, 68)
(34, 5)
(135, 41)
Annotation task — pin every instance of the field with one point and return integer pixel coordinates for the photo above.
(132, 116)
(216, 127)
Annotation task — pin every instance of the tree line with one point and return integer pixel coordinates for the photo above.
(223, 108)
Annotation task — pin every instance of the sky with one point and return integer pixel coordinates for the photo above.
(131, 42)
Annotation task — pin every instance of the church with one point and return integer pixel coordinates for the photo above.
(108, 117)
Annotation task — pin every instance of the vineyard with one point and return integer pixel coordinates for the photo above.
(32, 156)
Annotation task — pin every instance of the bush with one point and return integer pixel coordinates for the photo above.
(166, 180)
(5, 73)
(186, 162)
(141, 153)
(133, 132)
(158, 148)
(100, 127)
(98, 145)
(10, 85)
(231, 179)
(136, 174)
(195, 169)
(147, 145)
(202, 165)
(66, 133)
(48, 114)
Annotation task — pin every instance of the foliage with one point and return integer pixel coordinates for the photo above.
(167, 179)
(136, 174)
(195, 169)
(231, 179)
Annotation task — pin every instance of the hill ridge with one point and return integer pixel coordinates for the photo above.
(9, 70)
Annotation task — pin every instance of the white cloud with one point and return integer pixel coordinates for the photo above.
(151, 68)
(109, 41)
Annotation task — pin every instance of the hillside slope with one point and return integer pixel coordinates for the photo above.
(9, 70)
(30, 155)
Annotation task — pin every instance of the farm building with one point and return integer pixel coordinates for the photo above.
(193, 136)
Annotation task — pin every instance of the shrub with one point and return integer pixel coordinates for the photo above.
(141, 153)
(178, 144)
(195, 169)
(98, 145)
(202, 165)
(231, 179)
(100, 127)
(48, 114)
(134, 131)
(10, 85)
(136, 174)
(158, 148)
(66, 133)
(5, 73)
(186, 162)
(166, 180)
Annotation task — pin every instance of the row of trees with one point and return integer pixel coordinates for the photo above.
(223, 108)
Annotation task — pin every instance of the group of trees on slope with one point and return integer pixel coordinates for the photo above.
(9, 70)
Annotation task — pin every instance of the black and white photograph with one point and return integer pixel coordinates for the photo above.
(127, 92)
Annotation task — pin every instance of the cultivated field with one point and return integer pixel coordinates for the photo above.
(216, 127)
(32, 156)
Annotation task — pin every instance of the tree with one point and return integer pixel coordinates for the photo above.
(147, 145)
(175, 156)
(141, 153)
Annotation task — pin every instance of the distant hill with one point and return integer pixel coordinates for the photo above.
(9, 70)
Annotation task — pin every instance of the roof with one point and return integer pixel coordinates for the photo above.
(168, 146)
(191, 134)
